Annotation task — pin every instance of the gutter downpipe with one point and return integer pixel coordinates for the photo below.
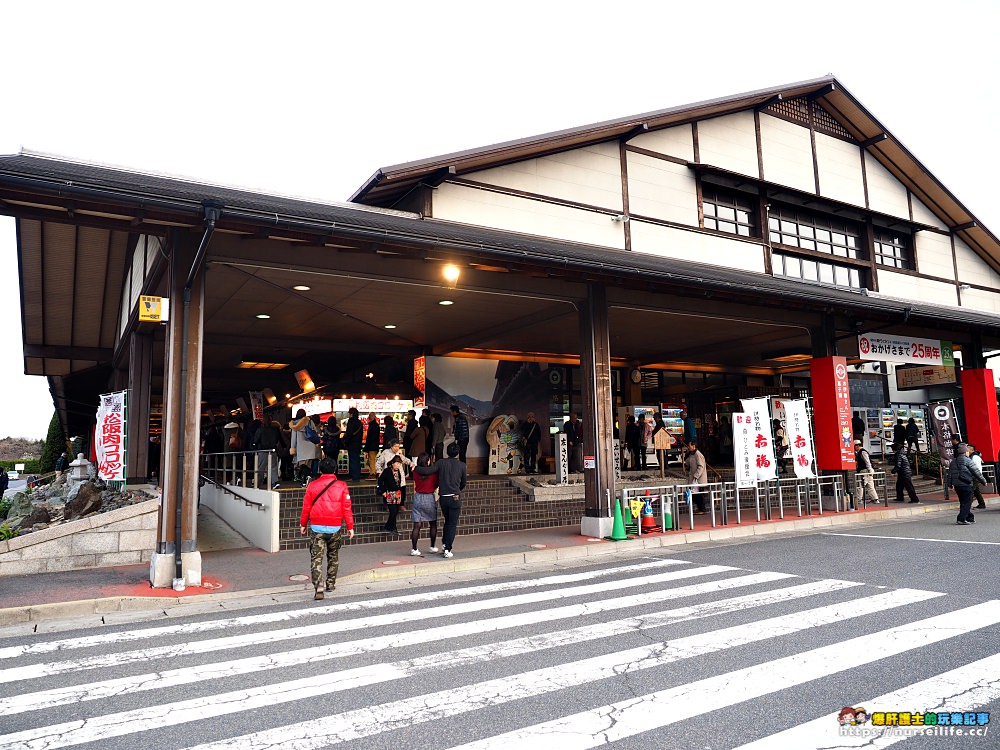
(212, 214)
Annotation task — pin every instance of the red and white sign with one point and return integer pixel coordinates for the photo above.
(796, 420)
(832, 414)
(889, 347)
(743, 432)
(419, 373)
(257, 404)
(109, 437)
(762, 441)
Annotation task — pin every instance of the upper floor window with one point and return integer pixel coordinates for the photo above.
(729, 211)
(825, 234)
(809, 269)
(894, 249)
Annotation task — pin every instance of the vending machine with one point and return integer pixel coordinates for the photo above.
(874, 441)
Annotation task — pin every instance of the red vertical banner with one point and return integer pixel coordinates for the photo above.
(979, 396)
(831, 396)
(419, 374)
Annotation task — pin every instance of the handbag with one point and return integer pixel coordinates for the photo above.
(393, 497)
(310, 433)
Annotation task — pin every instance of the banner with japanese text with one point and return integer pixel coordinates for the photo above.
(110, 436)
(833, 432)
(743, 450)
(762, 445)
(257, 404)
(796, 420)
(944, 423)
(891, 347)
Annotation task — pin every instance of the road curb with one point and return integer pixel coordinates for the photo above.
(112, 604)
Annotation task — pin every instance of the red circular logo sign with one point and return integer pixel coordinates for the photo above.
(864, 345)
(841, 372)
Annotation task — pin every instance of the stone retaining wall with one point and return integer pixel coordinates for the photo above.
(126, 536)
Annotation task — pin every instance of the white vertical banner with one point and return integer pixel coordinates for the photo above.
(257, 404)
(743, 450)
(797, 430)
(562, 459)
(762, 441)
(109, 437)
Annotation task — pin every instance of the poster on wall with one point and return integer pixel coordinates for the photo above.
(796, 421)
(111, 435)
(762, 441)
(504, 438)
(891, 347)
(744, 452)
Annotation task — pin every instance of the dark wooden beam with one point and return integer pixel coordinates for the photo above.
(86, 353)
(873, 140)
(965, 226)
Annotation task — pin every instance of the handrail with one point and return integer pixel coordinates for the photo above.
(225, 488)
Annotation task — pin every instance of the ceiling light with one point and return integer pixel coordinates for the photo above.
(451, 273)
(301, 288)
(446, 302)
(288, 395)
(262, 316)
(792, 354)
(369, 375)
(389, 326)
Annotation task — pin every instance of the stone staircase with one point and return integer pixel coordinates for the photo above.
(489, 505)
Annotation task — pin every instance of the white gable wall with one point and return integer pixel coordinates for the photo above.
(886, 194)
(698, 247)
(786, 151)
(677, 142)
(840, 175)
(906, 286)
(972, 269)
(485, 208)
(661, 190)
(729, 142)
(590, 175)
(977, 299)
(934, 255)
(923, 215)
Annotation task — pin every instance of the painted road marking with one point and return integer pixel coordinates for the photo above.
(371, 720)
(228, 623)
(913, 539)
(159, 680)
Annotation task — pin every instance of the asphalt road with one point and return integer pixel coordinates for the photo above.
(755, 644)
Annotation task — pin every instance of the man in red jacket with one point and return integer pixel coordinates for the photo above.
(326, 511)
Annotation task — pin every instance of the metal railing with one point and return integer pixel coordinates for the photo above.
(726, 503)
(881, 482)
(226, 488)
(256, 469)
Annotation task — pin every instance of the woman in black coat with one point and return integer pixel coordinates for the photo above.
(390, 488)
(389, 434)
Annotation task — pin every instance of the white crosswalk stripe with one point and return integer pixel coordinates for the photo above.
(492, 650)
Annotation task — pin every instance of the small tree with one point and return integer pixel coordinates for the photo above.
(55, 444)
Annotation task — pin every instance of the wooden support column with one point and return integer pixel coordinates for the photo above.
(140, 363)
(181, 420)
(598, 421)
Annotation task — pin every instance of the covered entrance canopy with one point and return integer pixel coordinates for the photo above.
(352, 293)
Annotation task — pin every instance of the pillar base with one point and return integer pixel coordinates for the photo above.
(596, 527)
(161, 570)
(191, 568)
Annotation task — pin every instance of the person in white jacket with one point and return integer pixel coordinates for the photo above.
(977, 458)
(305, 453)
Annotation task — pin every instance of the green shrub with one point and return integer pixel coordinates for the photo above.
(6, 532)
(5, 504)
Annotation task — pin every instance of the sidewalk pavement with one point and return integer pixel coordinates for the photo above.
(249, 573)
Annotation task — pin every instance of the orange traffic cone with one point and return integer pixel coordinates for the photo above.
(648, 520)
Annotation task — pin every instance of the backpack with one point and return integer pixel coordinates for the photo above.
(310, 433)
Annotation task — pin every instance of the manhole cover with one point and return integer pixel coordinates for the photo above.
(539, 546)
(298, 577)
(390, 562)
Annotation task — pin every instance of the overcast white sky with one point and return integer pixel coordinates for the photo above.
(311, 98)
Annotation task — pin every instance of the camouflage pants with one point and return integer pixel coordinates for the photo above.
(328, 546)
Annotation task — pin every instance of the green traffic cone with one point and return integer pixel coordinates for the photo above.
(627, 514)
(618, 528)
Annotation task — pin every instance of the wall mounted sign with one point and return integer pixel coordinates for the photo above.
(832, 414)
(889, 347)
(911, 377)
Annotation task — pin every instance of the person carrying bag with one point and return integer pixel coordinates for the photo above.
(326, 511)
(390, 487)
